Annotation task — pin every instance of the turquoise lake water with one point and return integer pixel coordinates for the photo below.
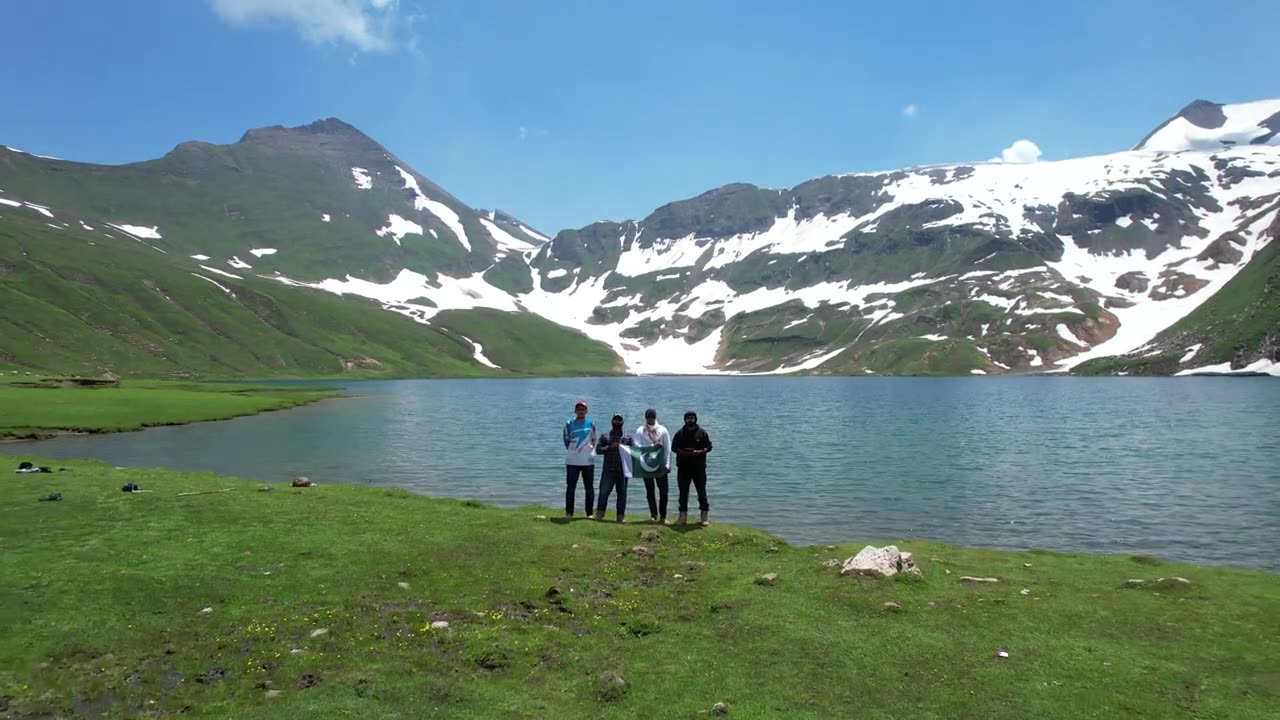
(1185, 468)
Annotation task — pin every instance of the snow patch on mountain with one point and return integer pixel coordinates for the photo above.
(139, 231)
(478, 353)
(200, 257)
(10, 203)
(40, 209)
(263, 251)
(1262, 366)
(361, 177)
(239, 264)
(505, 240)
(448, 293)
(446, 214)
(397, 227)
(222, 287)
(533, 233)
(223, 273)
(324, 217)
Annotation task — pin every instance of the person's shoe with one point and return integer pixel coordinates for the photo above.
(705, 521)
(653, 518)
(682, 519)
(591, 516)
(621, 519)
(662, 520)
(568, 516)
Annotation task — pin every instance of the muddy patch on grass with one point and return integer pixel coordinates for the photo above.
(521, 611)
(212, 675)
(96, 706)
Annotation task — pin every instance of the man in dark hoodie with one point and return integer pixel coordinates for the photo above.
(691, 444)
(612, 477)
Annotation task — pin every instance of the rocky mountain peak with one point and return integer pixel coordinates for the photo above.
(1206, 125)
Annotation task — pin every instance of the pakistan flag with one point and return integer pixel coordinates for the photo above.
(643, 462)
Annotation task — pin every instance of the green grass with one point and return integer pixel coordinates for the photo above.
(33, 412)
(120, 308)
(527, 344)
(104, 592)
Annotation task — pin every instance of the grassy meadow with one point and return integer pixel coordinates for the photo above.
(332, 602)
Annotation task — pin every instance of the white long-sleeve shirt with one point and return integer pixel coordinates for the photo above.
(644, 437)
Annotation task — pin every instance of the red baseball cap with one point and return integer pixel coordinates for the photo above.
(583, 403)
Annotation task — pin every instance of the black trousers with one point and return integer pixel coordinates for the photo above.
(658, 507)
(571, 473)
(698, 476)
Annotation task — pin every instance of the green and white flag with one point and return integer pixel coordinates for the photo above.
(648, 461)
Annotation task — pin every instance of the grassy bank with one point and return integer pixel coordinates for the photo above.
(319, 603)
(35, 412)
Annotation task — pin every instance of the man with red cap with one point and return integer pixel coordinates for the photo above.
(579, 458)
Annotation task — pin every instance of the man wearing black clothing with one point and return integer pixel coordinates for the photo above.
(691, 444)
(612, 478)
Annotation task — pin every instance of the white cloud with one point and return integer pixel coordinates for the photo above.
(1021, 151)
(911, 110)
(524, 133)
(368, 25)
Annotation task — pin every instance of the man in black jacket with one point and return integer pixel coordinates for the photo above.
(691, 444)
(612, 477)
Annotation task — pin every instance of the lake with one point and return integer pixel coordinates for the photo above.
(1182, 468)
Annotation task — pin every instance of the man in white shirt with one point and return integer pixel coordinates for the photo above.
(652, 433)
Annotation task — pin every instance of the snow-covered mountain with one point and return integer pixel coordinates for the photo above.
(1203, 125)
(978, 268)
(967, 268)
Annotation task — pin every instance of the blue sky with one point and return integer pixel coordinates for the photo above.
(568, 112)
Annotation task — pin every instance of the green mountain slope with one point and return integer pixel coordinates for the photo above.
(78, 302)
(273, 189)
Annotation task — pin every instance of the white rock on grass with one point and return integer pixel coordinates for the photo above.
(319, 631)
(880, 562)
(440, 625)
(972, 579)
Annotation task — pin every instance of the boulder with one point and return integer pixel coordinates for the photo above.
(767, 579)
(880, 562)
(642, 551)
(720, 709)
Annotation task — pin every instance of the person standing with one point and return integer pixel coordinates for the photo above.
(611, 475)
(691, 444)
(652, 434)
(579, 458)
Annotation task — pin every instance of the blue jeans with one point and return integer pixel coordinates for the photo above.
(608, 483)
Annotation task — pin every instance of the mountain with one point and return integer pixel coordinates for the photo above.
(967, 268)
(1097, 263)
(1205, 125)
(221, 234)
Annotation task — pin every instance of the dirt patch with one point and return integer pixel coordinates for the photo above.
(96, 706)
(309, 680)
(211, 675)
